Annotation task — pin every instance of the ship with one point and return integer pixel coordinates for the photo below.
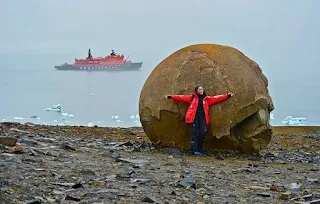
(111, 62)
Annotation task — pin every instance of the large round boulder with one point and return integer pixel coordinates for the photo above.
(240, 123)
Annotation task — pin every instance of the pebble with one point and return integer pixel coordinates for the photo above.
(263, 194)
(285, 195)
(17, 149)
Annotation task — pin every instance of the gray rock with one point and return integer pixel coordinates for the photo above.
(33, 153)
(139, 180)
(67, 146)
(28, 142)
(64, 184)
(4, 183)
(172, 151)
(110, 154)
(68, 197)
(133, 161)
(150, 199)
(193, 196)
(312, 181)
(36, 201)
(78, 185)
(188, 182)
(219, 158)
(111, 178)
(315, 201)
(52, 153)
(175, 192)
(263, 194)
(2, 147)
(87, 172)
(107, 191)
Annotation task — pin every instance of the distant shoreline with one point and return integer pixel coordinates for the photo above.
(276, 129)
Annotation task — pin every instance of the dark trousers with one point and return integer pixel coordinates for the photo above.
(198, 132)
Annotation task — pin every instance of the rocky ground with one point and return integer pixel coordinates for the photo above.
(45, 164)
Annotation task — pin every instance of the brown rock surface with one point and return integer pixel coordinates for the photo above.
(240, 123)
(8, 141)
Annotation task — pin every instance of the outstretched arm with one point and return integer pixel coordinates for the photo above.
(181, 98)
(218, 98)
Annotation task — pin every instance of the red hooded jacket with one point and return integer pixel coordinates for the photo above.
(192, 110)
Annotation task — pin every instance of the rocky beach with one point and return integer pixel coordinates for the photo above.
(50, 164)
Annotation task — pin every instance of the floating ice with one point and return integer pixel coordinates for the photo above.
(18, 118)
(289, 120)
(135, 118)
(56, 108)
(90, 125)
(67, 115)
(53, 109)
(272, 116)
(35, 117)
(115, 117)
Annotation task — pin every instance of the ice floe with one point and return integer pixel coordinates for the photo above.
(35, 117)
(18, 118)
(272, 116)
(55, 108)
(65, 114)
(289, 120)
(115, 117)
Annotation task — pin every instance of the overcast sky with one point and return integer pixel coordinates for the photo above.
(282, 36)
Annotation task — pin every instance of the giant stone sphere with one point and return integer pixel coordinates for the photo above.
(239, 123)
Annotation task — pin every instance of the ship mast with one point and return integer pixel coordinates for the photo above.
(89, 54)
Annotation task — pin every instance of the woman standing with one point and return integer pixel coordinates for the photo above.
(198, 114)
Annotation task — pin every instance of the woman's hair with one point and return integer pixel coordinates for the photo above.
(196, 88)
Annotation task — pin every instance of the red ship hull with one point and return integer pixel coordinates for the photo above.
(96, 67)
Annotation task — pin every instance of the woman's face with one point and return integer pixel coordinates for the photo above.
(200, 90)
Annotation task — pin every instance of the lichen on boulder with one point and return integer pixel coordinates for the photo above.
(240, 123)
